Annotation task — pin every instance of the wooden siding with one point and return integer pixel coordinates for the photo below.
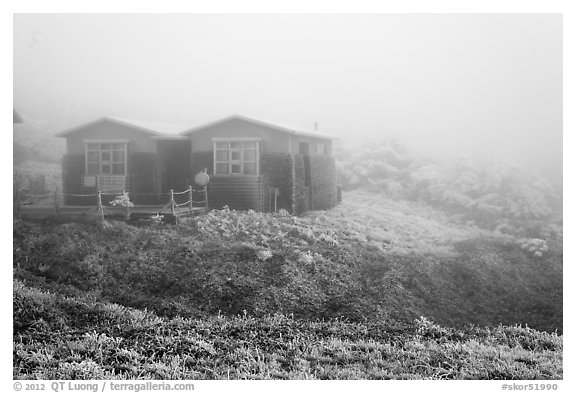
(237, 192)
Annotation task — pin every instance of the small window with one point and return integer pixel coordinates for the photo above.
(236, 169)
(250, 168)
(93, 169)
(250, 155)
(93, 156)
(118, 156)
(106, 169)
(118, 169)
(222, 168)
(236, 158)
(106, 158)
(222, 155)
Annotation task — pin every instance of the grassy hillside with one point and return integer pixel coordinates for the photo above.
(371, 264)
(59, 337)
(399, 261)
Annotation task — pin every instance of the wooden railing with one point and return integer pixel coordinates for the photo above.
(49, 205)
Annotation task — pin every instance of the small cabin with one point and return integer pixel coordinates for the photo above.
(252, 163)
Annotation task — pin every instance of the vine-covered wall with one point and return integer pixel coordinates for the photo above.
(301, 193)
(276, 170)
(323, 182)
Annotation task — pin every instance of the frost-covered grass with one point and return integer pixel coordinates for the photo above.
(321, 265)
(59, 337)
(353, 281)
(398, 226)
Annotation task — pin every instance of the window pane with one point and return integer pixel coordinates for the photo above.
(250, 168)
(118, 146)
(93, 146)
(221, 155)
(236, 168)
(222, 145)
(117, 169)
(106, 169)
(222, 169)
(236, 145)
(105, 146)
(249, 155)
(118, 156)
(236, 155)
(249, 145)
(93, 156)
(105, 155)
(93, 169)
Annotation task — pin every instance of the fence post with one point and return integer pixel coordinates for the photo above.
(173, 206)
(190, 192)
(172, 210)
(56, 205)
(99, 209)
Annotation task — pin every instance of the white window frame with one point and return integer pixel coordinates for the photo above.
(110, 162)
(241, 161)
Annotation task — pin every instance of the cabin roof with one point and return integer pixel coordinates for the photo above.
(178, 131)
(155, 129)
(277, 126)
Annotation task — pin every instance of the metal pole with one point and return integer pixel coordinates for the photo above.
(56, 205)
(190, 193)
(206, 199)
(99, 209)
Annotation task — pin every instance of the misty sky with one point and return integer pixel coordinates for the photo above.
(472, 84)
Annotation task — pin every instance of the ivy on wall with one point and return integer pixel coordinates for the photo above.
(276, 170)
(323, 181)
(301, 195)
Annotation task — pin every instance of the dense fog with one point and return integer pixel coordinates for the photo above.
(451, 85)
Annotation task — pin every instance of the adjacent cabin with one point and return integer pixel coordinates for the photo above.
(252, 163)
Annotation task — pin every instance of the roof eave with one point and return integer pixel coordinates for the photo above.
(169, 137)
(112, 120)
(260, 122)
(206, 125)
